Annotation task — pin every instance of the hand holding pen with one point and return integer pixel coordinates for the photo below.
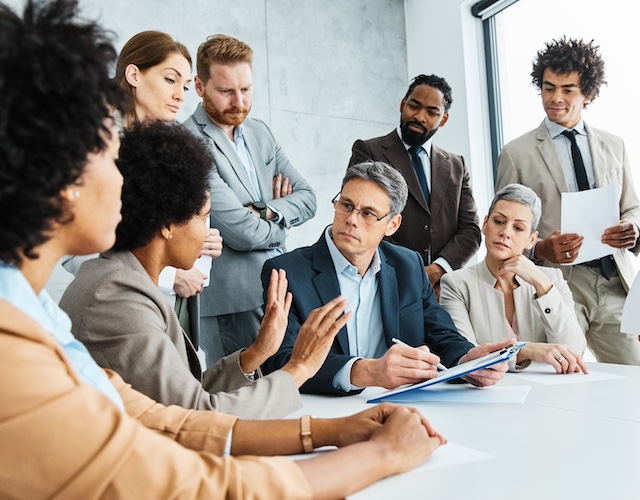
(439, 366)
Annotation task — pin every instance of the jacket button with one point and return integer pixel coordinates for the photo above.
(547, 310)
(426, 227)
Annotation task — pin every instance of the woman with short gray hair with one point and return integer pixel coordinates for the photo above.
(508, 296)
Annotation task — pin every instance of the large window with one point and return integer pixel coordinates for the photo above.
(521, 29)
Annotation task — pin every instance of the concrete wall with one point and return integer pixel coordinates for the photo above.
(326, 72)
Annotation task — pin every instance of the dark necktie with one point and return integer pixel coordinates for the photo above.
(606, 264)
(419, 169)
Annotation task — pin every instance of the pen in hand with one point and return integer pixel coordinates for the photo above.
(439, 366)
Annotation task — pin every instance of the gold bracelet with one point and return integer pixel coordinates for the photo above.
(305, 433)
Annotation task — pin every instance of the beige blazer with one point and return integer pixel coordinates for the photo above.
(128, 325)
(63, 439)
(532, 160)
(477, 308)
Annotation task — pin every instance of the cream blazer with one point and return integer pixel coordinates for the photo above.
(532, 160)
(63, 439)
(477, 308)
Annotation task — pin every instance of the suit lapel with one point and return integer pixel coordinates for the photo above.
(440, 177)
(389, 301)
(397, 156)
(547, 150)
(224, 146)
(326, 283)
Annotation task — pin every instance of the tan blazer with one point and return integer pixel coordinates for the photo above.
(477, 308)
(450, 224)
(128, 325)
(532, 160)
(63, 439)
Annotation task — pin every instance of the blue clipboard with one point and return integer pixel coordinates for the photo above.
(455, 372)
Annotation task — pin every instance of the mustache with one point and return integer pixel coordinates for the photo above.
(236, 110)
(417, 124)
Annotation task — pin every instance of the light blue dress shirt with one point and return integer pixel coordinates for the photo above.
(15, 289)
(425, 158)
(247, 162)
(563, 147)
(364, 329)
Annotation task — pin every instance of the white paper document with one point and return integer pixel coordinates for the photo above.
(446, 455)
(464, 394)
(631, 312)
(542, 373)
(589, 213)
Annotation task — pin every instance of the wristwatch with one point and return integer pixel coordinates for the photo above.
(261, 207)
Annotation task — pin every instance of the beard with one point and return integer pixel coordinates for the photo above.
(413, 137)
(224, 116)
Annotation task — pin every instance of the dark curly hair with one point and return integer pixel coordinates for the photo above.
(437, 83)
(166, 179)
(56, 95)
(563, 56)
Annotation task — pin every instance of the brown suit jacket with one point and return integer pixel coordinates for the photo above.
(64, 439)
(128, 325)
(450, 223)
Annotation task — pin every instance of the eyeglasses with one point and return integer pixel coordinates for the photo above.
(368, 217)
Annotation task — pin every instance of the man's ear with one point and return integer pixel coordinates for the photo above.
(445, 117)
(402, 103)
(393, 225)
(132, 75)
(199, 85)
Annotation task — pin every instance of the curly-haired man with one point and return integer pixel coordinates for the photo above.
(565, 155)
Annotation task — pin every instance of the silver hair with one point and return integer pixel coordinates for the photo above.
(523, 195)
(385, 176)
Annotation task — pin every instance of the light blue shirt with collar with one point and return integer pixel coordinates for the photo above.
(364, 329)
(15, 289)
(247, 162)
(563, 147)
(425, 158)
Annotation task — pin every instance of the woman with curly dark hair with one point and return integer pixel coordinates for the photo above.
(69, 429)
(125, 321)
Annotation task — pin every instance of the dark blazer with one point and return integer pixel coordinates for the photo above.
(409, 308)
(450, 224)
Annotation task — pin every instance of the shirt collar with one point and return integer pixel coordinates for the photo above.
(340, 262)
(15, 289)
(555, 130)
(238, 132)
(426, 146)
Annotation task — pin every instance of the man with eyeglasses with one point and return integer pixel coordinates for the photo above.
(388, 294)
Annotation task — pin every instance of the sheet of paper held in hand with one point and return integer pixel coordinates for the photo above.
(589, 213)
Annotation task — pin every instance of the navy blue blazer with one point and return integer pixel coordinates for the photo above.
(410, 311)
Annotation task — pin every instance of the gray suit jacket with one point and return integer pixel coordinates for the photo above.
(532, 160)
(235, 275)
(477, 308)
(128, 325)
(450, 223)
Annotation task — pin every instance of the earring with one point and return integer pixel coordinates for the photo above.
(76, 194)
(170, 236)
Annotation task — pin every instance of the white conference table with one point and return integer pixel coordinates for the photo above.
(574, 441)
